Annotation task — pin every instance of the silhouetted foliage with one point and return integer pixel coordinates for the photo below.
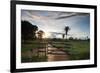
(71, 38)
(66, 30)
(88, 38)
(63, 36)
(28, 30)
(40, 34)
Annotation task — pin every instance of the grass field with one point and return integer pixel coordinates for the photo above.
(80, 50)
(77, 49)
(29, 51)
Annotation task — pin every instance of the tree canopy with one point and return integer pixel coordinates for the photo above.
(28, 30)
(40, 34)
(66, 30)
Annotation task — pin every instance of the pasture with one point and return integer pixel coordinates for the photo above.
(37, 51)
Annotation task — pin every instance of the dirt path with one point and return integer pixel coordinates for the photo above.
(55, 54)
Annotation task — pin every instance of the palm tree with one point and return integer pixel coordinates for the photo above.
(66, 30)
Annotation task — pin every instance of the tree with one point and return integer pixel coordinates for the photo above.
(40, 34)
(71, 38)
(28, 30)
(66, 30)
(63, 36)
(87, 38)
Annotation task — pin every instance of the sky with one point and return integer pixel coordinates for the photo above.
(54, 22)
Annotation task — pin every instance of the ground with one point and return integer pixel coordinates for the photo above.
(54, 50)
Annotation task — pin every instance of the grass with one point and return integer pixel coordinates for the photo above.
(33, 59)
(80, 50)
(77, 50)
(28, 45)
(27, 48)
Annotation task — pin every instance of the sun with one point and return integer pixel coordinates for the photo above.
(46, 35)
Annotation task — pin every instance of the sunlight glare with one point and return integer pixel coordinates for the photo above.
(46, 35)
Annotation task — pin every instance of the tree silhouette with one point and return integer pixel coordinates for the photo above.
(71, 38)
(40, 34)
(66, 30)
(28, 30)
(63, 36)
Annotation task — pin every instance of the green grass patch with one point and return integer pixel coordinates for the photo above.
(77, 50)
(33, 59)
(80, 50)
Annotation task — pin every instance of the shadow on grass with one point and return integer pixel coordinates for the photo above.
(34, 59)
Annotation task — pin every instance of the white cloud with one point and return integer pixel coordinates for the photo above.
(47, 21)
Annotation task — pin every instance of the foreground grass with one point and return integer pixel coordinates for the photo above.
(29, 51)
(25, 59)
(77, 50)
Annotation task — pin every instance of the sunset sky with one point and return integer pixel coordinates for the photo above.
(53, 23)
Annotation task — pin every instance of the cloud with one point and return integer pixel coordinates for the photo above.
(51, 21)
(71, 14)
